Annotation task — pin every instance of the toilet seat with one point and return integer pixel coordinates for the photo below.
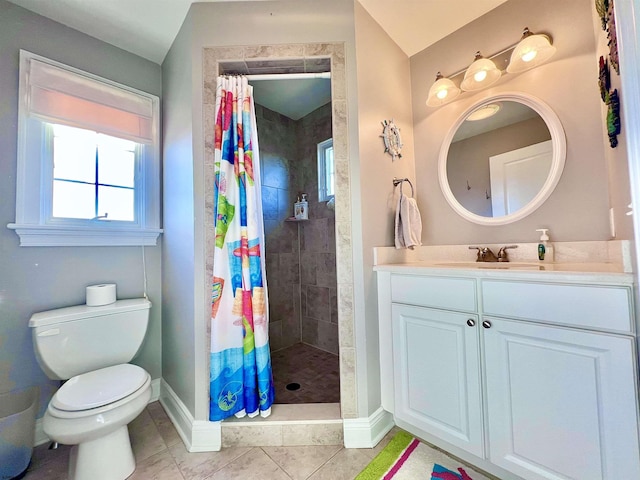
(99, 387)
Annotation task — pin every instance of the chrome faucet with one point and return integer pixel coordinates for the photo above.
(502, 253)
(484, 254)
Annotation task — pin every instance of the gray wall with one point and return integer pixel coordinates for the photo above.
(578, 208)
(178, 245)
(33, 279)
(383, 93)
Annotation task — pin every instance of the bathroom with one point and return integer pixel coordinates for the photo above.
(40, 278)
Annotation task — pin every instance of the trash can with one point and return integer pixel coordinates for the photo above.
(17, 428)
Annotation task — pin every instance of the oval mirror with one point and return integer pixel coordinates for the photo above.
(502, 159)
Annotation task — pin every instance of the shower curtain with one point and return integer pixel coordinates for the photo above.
(240, 379)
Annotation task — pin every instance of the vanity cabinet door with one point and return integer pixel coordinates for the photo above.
(561, 402)
(437, 374)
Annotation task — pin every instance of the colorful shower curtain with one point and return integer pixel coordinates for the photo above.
(240, 379)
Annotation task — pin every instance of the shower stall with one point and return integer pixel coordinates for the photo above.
(300, 254)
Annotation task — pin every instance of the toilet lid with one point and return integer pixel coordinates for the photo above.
(98, 388)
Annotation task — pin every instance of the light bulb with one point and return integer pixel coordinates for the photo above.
(480, 75)
(530, 55)
(442, 94)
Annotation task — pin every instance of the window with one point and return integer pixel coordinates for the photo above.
(93, 175)
(326, 173)
(88, 159)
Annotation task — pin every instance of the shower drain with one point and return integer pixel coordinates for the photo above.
(293, 386)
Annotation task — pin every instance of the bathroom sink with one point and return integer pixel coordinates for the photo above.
(492, 265)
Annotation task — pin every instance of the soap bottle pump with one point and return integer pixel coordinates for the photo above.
(545, 249)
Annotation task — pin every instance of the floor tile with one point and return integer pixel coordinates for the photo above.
(167, 431)
(56, 469)
(160, 466)
(300, 462)
(196, 466)
(345, 465)
(42, 454)
(145, 437)
(253, 465)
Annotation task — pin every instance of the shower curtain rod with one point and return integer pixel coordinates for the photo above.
(288, 76)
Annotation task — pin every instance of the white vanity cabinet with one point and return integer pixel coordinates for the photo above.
(529, 376)
(437, 374)
(560, 402)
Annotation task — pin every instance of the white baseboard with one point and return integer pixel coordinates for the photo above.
(367, 432)
(41, 438)
(197, 435)
(155, 390)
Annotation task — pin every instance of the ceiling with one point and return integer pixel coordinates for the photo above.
(148, 27)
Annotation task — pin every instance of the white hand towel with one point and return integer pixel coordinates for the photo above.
(408, 224)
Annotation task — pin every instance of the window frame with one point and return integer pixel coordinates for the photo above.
(323, 146)
(34, 223)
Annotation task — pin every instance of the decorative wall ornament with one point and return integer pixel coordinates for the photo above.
(602, 7)
(613, 118)
(609, 97)
(604, 79)
(391, 138)
(613, 39)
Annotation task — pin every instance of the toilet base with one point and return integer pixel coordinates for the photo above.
(105, 458)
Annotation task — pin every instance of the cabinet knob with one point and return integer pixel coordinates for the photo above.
(471, 322)
(486, 324)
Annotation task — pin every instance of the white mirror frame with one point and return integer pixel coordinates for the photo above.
(558, 141)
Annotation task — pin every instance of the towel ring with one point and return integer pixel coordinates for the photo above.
(400, 181)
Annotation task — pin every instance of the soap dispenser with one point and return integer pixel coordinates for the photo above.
(545, 249)
(301, 208)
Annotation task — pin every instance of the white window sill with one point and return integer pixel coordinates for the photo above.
(74, 236)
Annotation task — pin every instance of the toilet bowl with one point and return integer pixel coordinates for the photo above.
(90, 347)
(91, 412)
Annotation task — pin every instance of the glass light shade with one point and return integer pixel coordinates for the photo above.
(480, 74)
(483, 112)
(442, 91)
(533, 50)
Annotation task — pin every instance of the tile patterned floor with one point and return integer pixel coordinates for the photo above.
(317, 372)
(161, 455)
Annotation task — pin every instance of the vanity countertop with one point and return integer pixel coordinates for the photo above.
(609, 264)
(604, 272)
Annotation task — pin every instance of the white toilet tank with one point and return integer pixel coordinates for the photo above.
(74, 340)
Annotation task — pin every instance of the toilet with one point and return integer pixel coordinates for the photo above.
(90, 347)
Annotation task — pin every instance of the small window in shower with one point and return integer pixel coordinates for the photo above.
(326, 172)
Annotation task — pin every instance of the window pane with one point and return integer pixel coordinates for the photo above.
(116, 167)
(117, 202)
(73, 200)
(74, 154)
(325, 170)
(328, 160)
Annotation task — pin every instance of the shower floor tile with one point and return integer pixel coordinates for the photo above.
(316, 371)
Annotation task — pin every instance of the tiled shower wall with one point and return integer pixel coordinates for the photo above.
(318, 283)
(278, 151)
(300, 256)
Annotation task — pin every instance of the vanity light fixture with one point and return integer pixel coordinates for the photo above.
(531, 51)
(480, 74)
(442, 91)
